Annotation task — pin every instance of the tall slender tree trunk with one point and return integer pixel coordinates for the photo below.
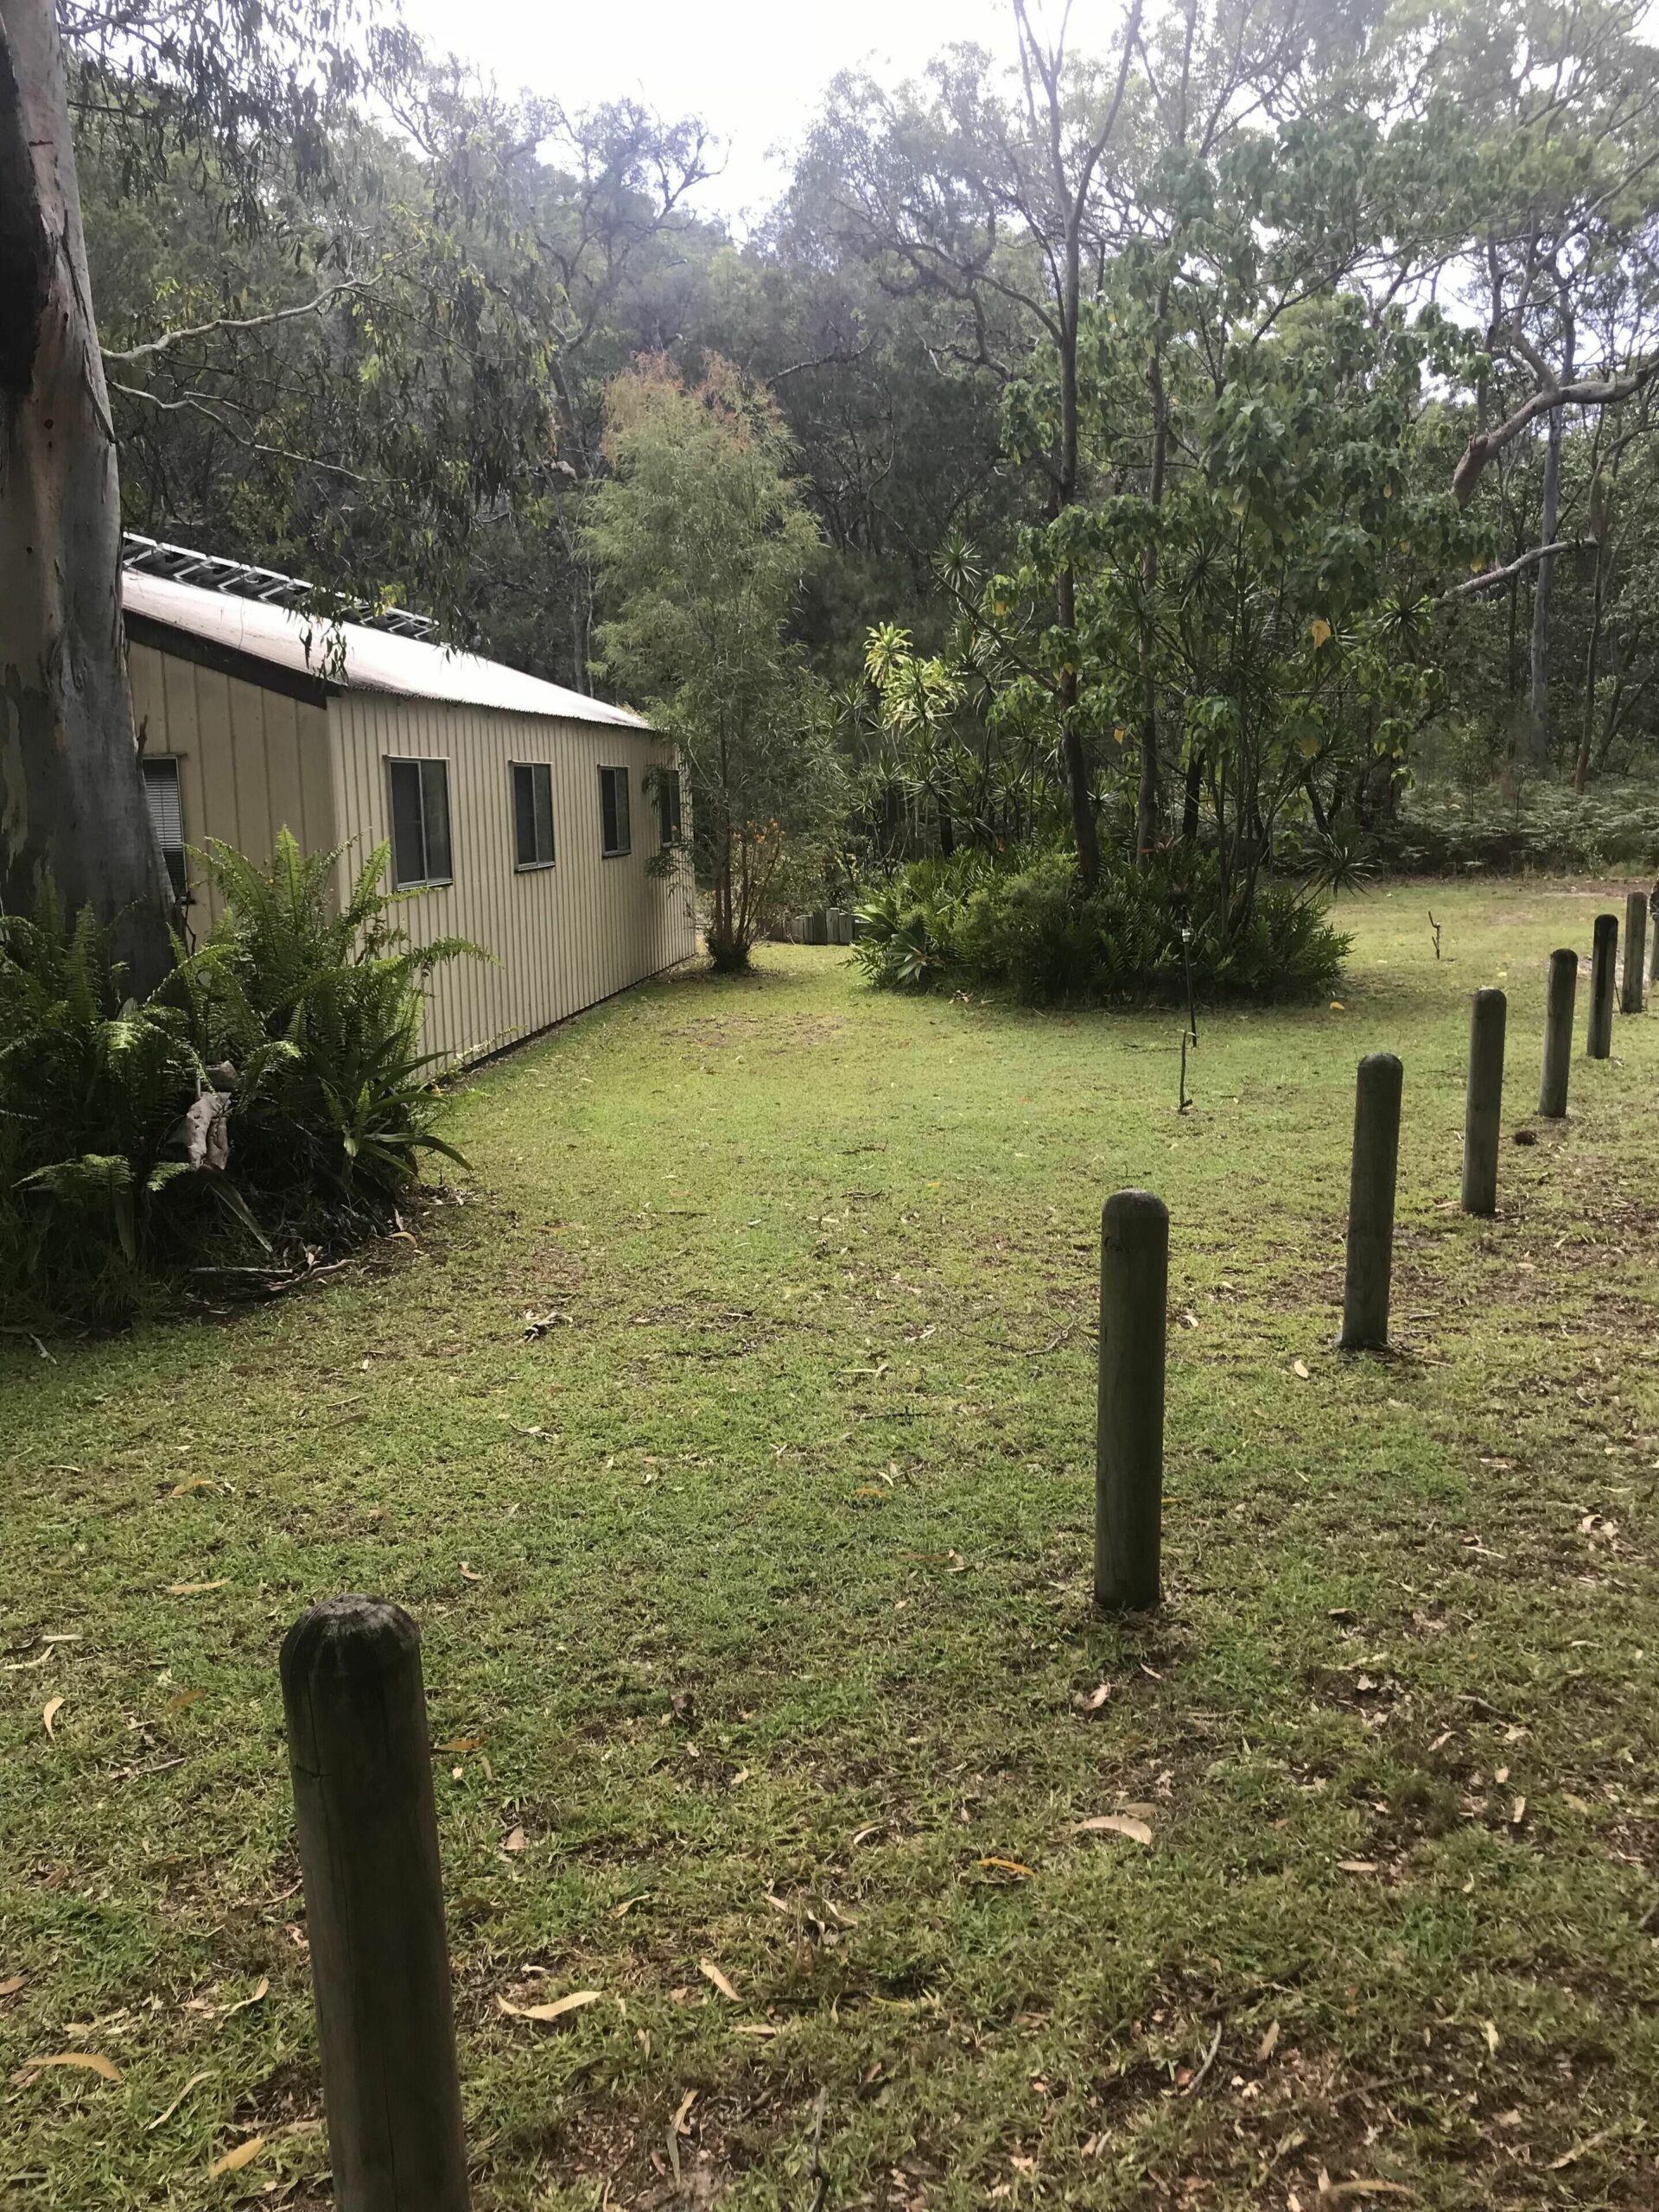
(1591, 669)
(72, 798)
(1538, 674)
(1149, 807)
(1075, 752)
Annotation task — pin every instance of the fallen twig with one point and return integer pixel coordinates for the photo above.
(1192, 2088)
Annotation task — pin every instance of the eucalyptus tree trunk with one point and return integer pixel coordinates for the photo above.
(72, 798)
(1538, 683)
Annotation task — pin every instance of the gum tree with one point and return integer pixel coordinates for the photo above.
(701, 543)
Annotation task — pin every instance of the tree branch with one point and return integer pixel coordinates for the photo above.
(1586, 391)
(195, 405)
(1490, 578)
(348, 287)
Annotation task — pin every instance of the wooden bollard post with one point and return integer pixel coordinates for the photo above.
(1604, 957)
(1129, 1431)
(1484, 1109)
(1636, 951)
(1370, 1203)
(362, 1767)
(1559, 996)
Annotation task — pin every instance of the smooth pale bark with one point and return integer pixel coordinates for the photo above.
(1538, 677)
(72, 798)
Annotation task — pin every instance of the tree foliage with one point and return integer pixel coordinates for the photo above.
(701, 541)
(1207, 434)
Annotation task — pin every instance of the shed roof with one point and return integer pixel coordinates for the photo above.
(348, 657)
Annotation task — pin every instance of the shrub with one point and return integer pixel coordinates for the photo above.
(1550, 827)
(1024, 925)
(269, 1097)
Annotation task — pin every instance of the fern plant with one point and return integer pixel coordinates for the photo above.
(338, 995)
(272, 1093)
(91, 1084)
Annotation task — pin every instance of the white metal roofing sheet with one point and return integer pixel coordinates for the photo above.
(350, 657)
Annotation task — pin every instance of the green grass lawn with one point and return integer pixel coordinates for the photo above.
(755, 1589)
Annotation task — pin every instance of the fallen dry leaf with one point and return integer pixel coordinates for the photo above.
(233, 2161)
(184, 1698)
(87, 2061)
(1268, 2045)
(53, 1707)
(1329, 2188)
(161, 2118)
(469, 1574)
(1008, 1865)
(1357, 1866)
(620, 1911)
(515, 1842)
(1489, 2029)
(191, 1589)
(12, 1984)
(463, 1743)
(1299, 1368)
(1579, 2151)
(557, 2010)
(242, 2004)
(1116, 1824)
(711, 1972)
(195, 1482)
(1092, 1701)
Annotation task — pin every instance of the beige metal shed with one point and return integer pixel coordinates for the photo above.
(520, 815)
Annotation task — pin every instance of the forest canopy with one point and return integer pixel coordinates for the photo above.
(1204, 437)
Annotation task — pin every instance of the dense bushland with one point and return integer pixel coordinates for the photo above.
(268, 1103)
(1026, 924)
(1442, 831)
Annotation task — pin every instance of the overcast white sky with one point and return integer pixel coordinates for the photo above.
(752, 69)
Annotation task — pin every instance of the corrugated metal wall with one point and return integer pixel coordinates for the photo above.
(562, 937)
(250, 760)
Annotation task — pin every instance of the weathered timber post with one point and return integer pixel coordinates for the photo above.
(1604, 956)
(1561, 991)
(1370, 1203)
(1485, 1106)
(1129, 1431)
(1636, 951)
(362, 1768)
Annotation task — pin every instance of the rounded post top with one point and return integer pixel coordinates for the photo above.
(352, 1638)
(1381, 1067)
(1127, 1211)
(1489, 996)
(1565, 952)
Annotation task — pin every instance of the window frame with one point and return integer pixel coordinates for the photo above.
(624, 813)
(671, 834)
(520, 865)
(422, 762)
(174, 858)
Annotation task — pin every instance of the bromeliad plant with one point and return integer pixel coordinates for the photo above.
(272, 1094)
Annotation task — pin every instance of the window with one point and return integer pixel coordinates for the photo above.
(614, 811)
(166, 815)
(420, 823)
(668, 805)
(532, 812)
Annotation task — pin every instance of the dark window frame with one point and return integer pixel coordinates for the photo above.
(616, 833)
(671, 809)
(173, 856)
(424, 764)
(533, 867)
